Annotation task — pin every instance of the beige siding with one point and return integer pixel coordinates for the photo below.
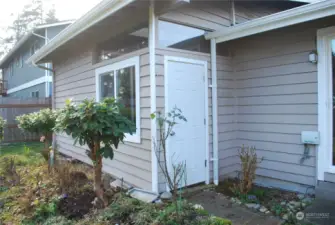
(215, 15)
(224, 64)
(75, 79)
(276, 99)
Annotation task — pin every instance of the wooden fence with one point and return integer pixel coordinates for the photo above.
(10, 108)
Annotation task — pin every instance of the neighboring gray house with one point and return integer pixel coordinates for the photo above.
(249, 74)
(23, 80)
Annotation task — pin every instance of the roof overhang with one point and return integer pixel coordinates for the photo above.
(25, 38)
(97, 14)
(286, 18)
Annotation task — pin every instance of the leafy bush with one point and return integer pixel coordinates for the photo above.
(45, 210)
(95, 123)
(57, 220)
(41, 122)
(2, 126)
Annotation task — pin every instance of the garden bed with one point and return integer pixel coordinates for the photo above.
(280, 203)
(32, 194)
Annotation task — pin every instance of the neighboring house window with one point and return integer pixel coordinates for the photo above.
(172, 35)
(124, 43)
(18, 62)
(121, 81)
(35, 94)
(35, 47)
(11, 69)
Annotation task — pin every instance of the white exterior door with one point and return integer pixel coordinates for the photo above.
(185, 89)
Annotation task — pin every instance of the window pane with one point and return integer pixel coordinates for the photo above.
(126, 91)
(107, 85)
(333, 74)
(182, 37)
(124, 43)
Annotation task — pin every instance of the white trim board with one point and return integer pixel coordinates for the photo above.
(278, 20)
(325, 102)
(166, 106)
(152, 56)
(30, 84)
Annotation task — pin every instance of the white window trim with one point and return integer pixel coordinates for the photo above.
(134, 61)
(325, 102)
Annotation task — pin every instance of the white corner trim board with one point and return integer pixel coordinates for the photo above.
(278, 20)
(30, 84)
(152, 57)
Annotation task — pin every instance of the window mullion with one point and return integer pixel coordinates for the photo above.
(115, 85)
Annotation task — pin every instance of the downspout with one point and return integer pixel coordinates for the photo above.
(215, 158)
(45, 37)
(232, 14)
(52, 96)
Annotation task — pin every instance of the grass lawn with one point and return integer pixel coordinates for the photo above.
(20, 148)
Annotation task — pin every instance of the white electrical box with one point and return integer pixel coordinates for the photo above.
(310, 137)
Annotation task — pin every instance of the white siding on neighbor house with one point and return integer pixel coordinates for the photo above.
(223, 64)
(75, 79)
(276, 99)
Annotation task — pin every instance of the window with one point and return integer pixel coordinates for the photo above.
(121, 81)
(123, 43)
(35, 94)
(18, 62)
(11, 69)
(178, 36)
(35, 47)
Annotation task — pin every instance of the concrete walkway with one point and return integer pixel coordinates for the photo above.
(221, 206)
(321, 212)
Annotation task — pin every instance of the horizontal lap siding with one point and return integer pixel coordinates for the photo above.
(215, 15)
(276, 92)
(227, 146)
(76, 79)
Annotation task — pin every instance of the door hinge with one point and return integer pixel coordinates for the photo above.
(204, 121)
(203, 78)
(205, 162)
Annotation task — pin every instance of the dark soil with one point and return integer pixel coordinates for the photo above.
(76, 206)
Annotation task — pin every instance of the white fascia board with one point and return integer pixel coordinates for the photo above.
(68, 22)
(98, 13)
(283, 19)
(29, 84)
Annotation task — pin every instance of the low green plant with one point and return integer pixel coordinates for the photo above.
(58, 220)
(45, 210)
(278, 209)
(26, 150)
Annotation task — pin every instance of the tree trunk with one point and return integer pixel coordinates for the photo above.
(97, 164)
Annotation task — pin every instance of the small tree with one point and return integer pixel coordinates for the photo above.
(101, 126)
(177, 173)
(41, 122)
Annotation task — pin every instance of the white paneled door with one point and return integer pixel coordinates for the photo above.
(185, 89)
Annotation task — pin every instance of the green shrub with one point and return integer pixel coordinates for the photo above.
(2, 126)
(100, 126)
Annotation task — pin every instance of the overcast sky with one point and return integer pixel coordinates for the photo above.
(65, 9)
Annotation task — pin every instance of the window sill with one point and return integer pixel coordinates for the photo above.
(136, 138)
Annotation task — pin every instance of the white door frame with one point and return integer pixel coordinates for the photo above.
(166, 86)
(325, 102)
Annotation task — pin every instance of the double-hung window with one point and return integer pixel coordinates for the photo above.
(121, 81)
